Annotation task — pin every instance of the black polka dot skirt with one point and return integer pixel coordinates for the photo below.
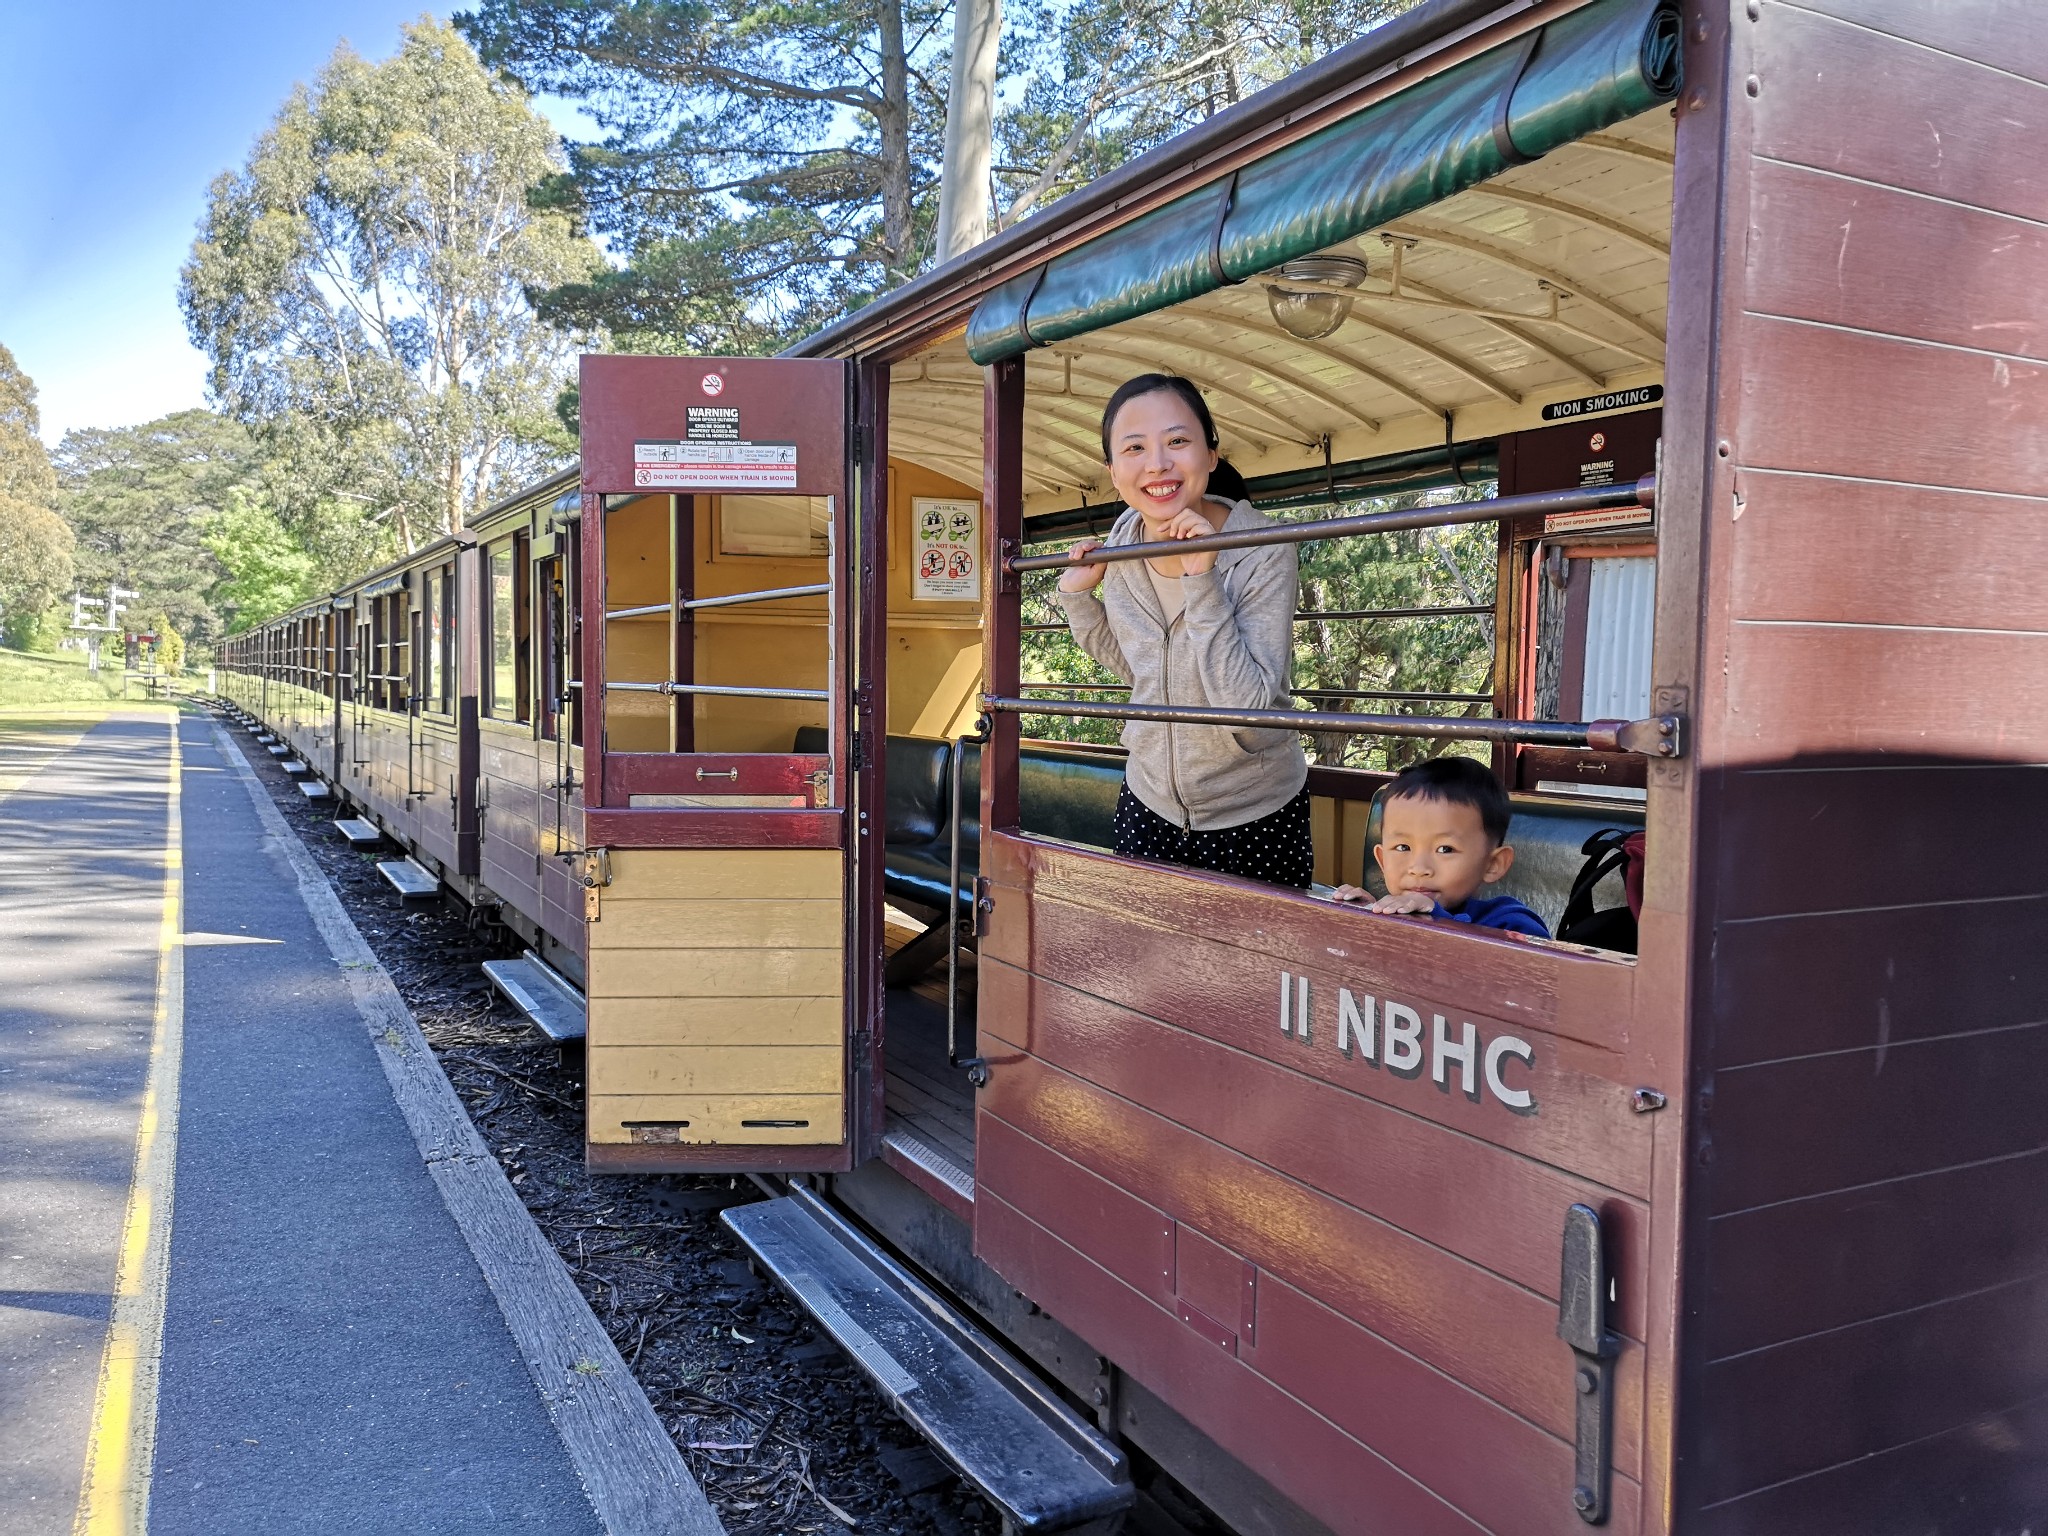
(1279, 849)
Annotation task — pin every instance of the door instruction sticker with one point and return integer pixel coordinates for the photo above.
(714, 465)
(946, 550)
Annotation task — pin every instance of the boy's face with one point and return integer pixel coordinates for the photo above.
(1437, 849)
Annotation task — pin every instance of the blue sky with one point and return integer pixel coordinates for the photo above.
(116, 114)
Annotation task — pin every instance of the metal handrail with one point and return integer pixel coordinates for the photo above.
(1491, 509)
(1299, 693)
(979, 738)
(1311, 615)
(671, 686)
(639, 613)
(818, 589)
(1657, 736)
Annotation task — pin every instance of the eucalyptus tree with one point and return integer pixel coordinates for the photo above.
(35, 542)
(360, 286)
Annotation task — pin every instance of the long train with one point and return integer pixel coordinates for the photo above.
(1342, 1223)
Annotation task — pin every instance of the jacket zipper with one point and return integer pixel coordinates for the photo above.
(1172, 758)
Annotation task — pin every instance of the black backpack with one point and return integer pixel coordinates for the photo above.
(1612, 927)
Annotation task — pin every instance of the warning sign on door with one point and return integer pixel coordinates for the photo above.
(715, 466)
(946, 548)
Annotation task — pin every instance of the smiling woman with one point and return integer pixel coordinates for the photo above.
(1199, 629)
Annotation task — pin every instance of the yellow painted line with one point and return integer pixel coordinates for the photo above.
(114, 1499)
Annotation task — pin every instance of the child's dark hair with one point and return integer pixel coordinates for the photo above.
(1458, 781)
(1224, 480)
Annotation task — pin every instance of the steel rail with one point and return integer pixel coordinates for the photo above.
(1491, 509)
(1658, 736)
(711, 690)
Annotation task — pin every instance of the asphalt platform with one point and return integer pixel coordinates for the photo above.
(331, 1358)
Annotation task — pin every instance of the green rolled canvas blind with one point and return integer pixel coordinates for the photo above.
(1581, 73)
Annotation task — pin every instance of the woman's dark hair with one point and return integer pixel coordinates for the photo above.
(1224, 480)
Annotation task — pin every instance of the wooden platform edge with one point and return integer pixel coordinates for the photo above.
(631, 1470)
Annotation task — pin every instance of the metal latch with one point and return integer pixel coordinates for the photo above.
(821, 787)
(984, 905)
(1582, 1324)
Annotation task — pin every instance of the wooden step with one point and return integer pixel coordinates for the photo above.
(545, 996)
(410, 881)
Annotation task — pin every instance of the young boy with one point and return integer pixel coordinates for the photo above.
(1442, 830)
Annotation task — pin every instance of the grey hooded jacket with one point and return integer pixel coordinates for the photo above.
(1231, 648)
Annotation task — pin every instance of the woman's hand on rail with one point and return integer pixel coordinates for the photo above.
(1080, 576)
(1188, 523)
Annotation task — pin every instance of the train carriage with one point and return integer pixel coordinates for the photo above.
(1347, 1223)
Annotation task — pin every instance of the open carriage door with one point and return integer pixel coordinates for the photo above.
(717, 542)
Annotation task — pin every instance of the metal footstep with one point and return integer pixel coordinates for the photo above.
(313, 789)
(537, 990)
(278, 749)
(410, 881)
(1042, 1465)
(359, 832)
(294, 765)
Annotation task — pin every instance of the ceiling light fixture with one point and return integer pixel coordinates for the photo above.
(1310, 315)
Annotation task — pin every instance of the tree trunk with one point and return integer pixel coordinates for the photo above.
(894, 121)
(970, 127)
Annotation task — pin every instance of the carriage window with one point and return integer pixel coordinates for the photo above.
(786, 527)
(501, 687)
(434, 595)
(553, 643)
(401, 651)
(522, 626)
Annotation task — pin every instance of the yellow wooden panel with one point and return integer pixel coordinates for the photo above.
(636, 554)
(773, 924)
(712, 972)
(716, 1119)
(630, 1021)
(704, 1069)
(718, 874)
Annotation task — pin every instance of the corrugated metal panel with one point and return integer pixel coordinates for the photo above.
(1620, 614)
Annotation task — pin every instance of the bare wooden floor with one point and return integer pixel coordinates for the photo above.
(927, 1098)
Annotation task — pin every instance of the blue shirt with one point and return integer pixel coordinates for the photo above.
(1502, 912)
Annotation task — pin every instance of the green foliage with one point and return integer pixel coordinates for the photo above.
(360, 288)
(1097, 82)
(31, 630)
(266, 571)
(36, 544)
(136, 497)
(1427, 568)
(770, 165)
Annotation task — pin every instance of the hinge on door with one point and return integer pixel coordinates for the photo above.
(1582, 1324)
(591, 868)
(860, 442)
(857, 753)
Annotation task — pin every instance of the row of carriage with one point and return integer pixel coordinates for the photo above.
(1098, 1167)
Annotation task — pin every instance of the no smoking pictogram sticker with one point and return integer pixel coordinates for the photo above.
(714, 383)
(1599, 438)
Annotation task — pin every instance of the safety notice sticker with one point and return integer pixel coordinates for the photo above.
(715, 466)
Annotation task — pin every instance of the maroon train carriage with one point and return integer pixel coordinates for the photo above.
(1333, 1222)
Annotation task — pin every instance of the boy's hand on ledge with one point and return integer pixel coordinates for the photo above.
(1405, 904)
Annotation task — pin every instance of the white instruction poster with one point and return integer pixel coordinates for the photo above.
(946, 550)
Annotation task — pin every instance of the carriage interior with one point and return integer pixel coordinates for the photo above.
(1539, 288)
